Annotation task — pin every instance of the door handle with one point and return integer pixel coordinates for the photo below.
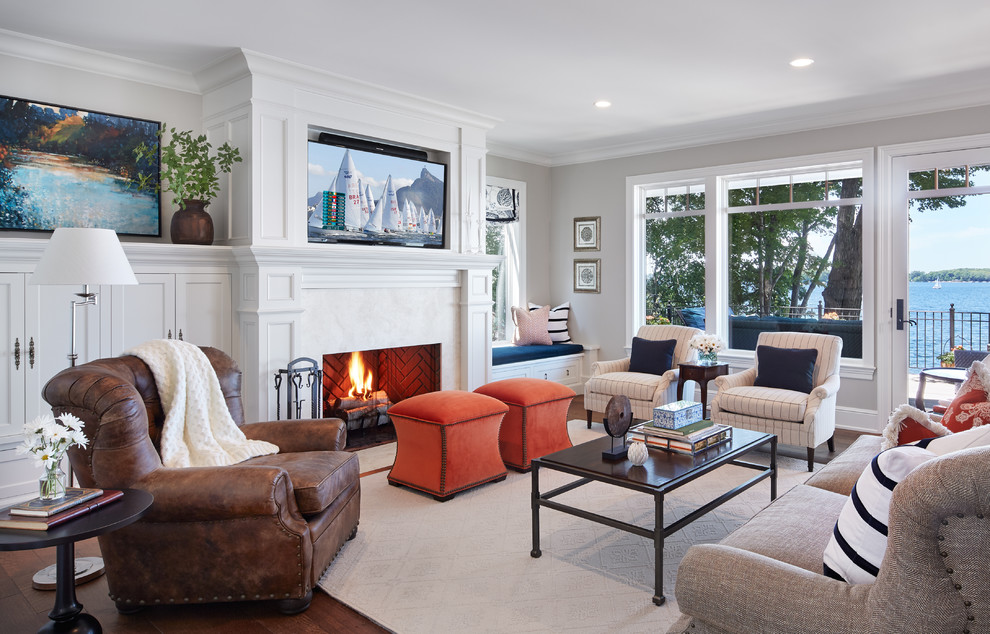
(17, 353)
(31, 352)
(900, 316)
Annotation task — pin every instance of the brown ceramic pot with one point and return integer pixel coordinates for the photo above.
(192, 224)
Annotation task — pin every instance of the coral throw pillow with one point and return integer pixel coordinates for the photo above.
(971, 406)
(909, 424)
(531, 326)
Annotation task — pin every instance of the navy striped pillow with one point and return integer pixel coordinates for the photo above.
(859, 540)
(557, 325)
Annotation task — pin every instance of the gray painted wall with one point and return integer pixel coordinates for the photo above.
(592, 189)
(598, 188)
(71, 87)
(538, 211)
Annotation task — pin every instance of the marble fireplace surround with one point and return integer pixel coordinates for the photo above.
(327, 300)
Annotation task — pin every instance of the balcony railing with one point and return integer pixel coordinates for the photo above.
(938, 331)
(933, 331)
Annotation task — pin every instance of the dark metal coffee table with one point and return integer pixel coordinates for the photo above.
(663, 472)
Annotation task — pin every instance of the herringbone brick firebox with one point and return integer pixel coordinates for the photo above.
(399, 372)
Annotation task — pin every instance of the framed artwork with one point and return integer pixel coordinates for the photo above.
(587, 234)
(587, 276)
(65, 167)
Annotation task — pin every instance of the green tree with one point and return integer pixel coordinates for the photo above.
(675, 261)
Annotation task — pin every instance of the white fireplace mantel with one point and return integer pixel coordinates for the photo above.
(310, 301)
(296, 299)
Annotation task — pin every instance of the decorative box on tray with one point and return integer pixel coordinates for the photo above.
(676, 415)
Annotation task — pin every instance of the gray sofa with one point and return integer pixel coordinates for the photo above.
(767, 575)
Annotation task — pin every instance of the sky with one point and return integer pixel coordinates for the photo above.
(951, 238)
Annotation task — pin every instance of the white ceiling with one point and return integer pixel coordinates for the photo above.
(678, 73)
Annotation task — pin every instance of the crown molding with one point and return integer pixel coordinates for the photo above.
(516, 154)
(244, 62)
(940, 95)
(37, 49)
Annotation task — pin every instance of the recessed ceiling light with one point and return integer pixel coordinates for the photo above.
(802, 62)
(603, 103)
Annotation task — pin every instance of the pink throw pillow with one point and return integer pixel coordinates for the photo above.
(531, 326)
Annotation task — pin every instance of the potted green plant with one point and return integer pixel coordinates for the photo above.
(192, 174)
(948, 359)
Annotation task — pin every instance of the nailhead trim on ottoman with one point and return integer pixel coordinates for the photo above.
(447, 442)
(537, 420)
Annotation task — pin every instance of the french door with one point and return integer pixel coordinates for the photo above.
(939, 206)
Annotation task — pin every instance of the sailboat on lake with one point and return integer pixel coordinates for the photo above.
(938, 284)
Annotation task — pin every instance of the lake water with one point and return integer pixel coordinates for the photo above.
(930, 338)
(967, 296)
(67, 192)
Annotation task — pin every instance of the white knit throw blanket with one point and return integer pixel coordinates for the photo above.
(198, 430)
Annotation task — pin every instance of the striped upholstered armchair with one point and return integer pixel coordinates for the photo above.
(783, 393)
(645, 390)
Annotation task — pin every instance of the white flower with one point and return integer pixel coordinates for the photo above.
(48, 439)
(706, 343)
(71, 421)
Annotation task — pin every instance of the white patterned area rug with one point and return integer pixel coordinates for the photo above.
(418, 565)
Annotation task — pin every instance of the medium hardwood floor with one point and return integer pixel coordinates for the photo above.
(24, 609)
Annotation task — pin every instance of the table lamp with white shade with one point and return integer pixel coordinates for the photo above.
(86, 256)
(90, 257)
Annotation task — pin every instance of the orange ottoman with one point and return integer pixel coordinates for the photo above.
(446, 442)
(537, 420)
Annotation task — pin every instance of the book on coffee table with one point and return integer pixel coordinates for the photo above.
(43, 508)
(716, 435)
(694, 429)
(25, 522)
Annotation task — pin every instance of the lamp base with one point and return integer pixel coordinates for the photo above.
(87, 569)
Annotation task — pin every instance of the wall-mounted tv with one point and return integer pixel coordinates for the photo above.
(367, 193)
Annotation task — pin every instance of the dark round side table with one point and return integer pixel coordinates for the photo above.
(67, 614)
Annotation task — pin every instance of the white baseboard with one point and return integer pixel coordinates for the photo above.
(862, 420)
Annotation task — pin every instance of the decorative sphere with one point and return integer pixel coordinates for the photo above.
(637, 453)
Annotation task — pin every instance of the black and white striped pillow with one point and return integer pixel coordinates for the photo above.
(859, 540)
(557, 326)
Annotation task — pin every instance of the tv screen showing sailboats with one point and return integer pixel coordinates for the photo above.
(367, 197)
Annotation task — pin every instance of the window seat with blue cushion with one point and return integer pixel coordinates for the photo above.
(562, 363)
(514, 354)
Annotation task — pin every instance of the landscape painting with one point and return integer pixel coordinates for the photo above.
(64, 167)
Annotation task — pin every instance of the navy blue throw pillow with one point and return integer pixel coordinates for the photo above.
(786, 368)
(651, 356)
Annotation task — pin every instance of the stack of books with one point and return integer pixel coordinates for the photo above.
(689, 439)
(40, 515)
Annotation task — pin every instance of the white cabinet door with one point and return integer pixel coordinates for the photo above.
(203, 309)
(194, 307)
(13, 355)
(48, 329)
(143, 312)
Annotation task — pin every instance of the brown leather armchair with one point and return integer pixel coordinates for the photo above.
(262, 529)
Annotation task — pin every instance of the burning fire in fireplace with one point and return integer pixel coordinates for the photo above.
(362, 379)
(364, 405)
(360, 386)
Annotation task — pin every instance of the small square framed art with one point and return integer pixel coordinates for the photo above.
(587, 276)
(587, 234)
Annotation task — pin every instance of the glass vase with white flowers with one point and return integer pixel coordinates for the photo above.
(708, 347)
(48, 438)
